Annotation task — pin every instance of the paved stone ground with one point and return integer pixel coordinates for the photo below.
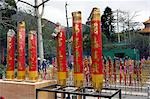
(123, 97)
(133, 97)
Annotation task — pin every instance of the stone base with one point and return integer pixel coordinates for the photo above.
(24, 90)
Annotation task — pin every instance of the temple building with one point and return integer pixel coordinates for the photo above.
(146, 30)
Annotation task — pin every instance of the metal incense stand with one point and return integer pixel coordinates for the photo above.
(84, 91)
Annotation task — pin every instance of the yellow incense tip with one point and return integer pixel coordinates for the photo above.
(22, 24)
(10, 75)
(21, 75)
(33, 75)
(62, 76)
(78, 80)
(97, 81)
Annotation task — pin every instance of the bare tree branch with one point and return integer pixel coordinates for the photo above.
(26, 3)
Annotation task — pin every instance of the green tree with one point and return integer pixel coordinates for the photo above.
(6, 21)
(107, 20)
(7, 13)
(49, 43)
(87, 40)
(141, 43)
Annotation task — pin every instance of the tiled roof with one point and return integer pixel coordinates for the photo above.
(145, 30)
(148, 21)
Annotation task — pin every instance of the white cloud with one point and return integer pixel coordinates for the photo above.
(55, 9)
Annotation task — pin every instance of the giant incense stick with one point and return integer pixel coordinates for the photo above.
(77, 49)
(61, 57)
(32, 50)
(96, 50)
(10, 54)
(21, 51)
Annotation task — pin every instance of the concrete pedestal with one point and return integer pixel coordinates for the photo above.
(24, 90)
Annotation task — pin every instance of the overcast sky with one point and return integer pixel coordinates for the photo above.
(55, 9)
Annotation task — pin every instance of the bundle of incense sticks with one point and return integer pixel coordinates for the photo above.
(121, 67)
(140, 73)
(110, 70)
(135, 73)
(105, 71)
(114, 71)
(130, 63)
(86, 70)
(125, 72)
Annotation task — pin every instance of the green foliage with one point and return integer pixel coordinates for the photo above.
(87, 40)
(107, 20)
(6, 22)
(104, 39)
(141, 43)
(1, 70)
(7, 13)
(11, 3)
(49, 44)
(110, 46)
(30, 22)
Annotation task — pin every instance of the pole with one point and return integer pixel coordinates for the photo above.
(129, 29)
(67, 32)
(0, 41)
(39, 31)
(149, 44)
(118, 26)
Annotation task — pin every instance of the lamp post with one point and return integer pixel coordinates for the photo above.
(39, 31)
(67, 31)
